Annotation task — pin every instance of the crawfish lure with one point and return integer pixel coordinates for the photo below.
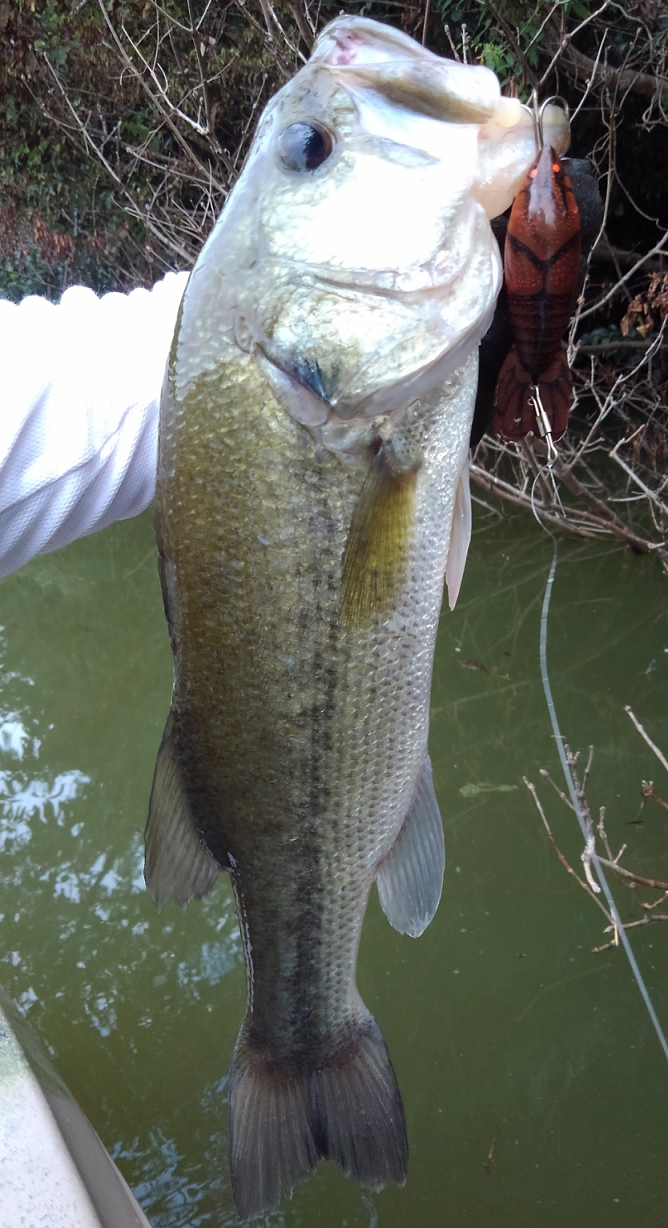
(541, 262)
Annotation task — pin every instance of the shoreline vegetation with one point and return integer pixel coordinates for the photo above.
(124, 124)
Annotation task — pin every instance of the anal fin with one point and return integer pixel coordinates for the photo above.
(410, 878)
(177, 865)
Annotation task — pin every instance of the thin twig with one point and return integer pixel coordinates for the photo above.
(647, 790)
(621, 78)
(602, 832)
(565, 40)
(629, 925)
(577, 521)
(650, 743)
(567, 801)
(649, 494)
(590, 847)
(658, 247)
(655, 883)
(560, 855)
(424, 24)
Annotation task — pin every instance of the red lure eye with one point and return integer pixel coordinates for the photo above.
(556, 167)
(532, 173)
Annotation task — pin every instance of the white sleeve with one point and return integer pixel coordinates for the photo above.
(80, 391)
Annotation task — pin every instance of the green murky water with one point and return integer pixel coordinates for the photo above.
(508, 1035)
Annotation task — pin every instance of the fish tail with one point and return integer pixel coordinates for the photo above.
(514, 411)
(348, 1110)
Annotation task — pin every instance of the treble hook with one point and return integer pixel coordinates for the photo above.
(545, 432)
(538, 114)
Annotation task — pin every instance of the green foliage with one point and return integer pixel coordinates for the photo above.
(66, 90)
(110, 175)
(487, 27)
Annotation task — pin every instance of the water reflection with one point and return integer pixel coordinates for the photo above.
(169, 1191)
(26, 795)
(216, 960)
(498, 1018)
(176, 1194)
(14, 736)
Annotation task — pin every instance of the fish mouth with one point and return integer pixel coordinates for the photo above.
(315, 391)
(313, 398)
(355, 282)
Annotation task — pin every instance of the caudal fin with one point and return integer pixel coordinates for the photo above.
(349, 1111)
(514, 413)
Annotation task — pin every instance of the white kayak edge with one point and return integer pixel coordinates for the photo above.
(53, 1168)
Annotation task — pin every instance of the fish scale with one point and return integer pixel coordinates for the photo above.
(299, 739)
(303, 546)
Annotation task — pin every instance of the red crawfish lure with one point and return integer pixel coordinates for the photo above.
(541, 259)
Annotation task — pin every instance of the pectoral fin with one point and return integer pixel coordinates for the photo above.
(460, 537)
(374, 563)
(177, 865)
(410, 878)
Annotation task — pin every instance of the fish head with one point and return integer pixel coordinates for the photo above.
(354, 257)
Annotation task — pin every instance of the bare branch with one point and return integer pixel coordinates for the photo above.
(560, 855)
(650, 743)
(655, 883)
(621, 79)
(658, 247)
(563, 45)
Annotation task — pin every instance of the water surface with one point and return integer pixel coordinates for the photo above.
(509, 1036)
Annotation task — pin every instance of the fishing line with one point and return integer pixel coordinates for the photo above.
(571, 787)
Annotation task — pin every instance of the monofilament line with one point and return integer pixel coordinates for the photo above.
(576, 803)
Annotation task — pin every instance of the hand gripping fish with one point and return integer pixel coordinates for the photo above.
(541, 265)
(312, 493)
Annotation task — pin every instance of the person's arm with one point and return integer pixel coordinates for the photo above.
(80, 390)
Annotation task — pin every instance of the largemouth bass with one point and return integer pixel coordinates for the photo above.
(312, 488)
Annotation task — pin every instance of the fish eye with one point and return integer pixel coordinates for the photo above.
(304, 147)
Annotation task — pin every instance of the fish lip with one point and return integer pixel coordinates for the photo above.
(366, 282)
(386, 292)
(369, 281)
